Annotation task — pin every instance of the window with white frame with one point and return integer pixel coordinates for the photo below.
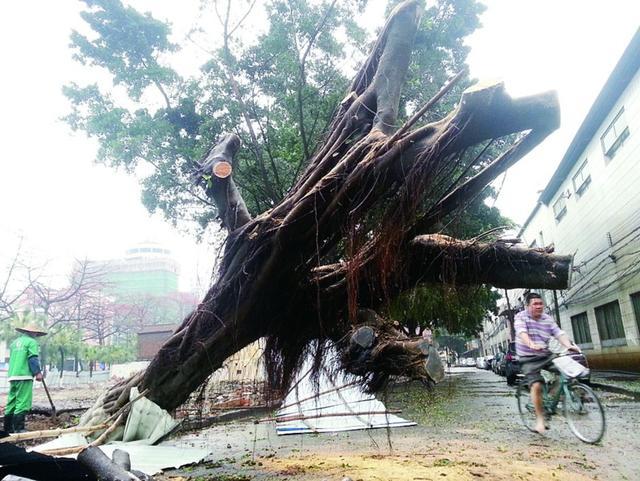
(581, 331)
(635, 302)
(581, 179)
(560, 207)
(610, 327)
(615, 135)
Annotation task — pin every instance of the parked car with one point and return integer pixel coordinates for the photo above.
(497, 364)
(511, 364)
(481, 363)
(502, 365)
(489, 362)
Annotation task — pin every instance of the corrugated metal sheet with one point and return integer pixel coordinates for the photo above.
(146, 424)
(336, 404)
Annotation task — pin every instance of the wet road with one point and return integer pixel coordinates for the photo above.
(468, 428)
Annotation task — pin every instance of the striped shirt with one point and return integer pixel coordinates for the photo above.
(540, 332)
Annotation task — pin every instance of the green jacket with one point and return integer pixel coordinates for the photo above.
(22, 348)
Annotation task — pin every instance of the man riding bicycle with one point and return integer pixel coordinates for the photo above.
(534, 329)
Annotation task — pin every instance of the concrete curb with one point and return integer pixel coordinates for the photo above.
(617, 390)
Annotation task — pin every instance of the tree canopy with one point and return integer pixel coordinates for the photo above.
(276, 90)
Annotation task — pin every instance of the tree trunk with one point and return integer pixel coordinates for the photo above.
(61, 361)
(351, 234)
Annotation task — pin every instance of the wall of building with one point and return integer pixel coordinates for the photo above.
(245, 365)
(149, 343)
(495, 335)
(147, 277)
(601, 227)
(143, 278)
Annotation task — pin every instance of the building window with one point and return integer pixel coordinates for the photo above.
(581, 332)
(615, 135)
(610, 327)
(635, 301)
(581, 179)
(560, 208)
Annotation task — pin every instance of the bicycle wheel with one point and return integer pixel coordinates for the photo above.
(584, 413)
(525, 407)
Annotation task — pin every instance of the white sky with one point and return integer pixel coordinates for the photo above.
(65, 206)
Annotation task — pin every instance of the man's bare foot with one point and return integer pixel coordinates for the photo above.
(540, 427)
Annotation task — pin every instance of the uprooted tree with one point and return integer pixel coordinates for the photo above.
(360, 226)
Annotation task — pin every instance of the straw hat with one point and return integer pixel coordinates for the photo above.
(32, 329)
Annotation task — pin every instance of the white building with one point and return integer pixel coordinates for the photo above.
(495, 335)
(591, 209)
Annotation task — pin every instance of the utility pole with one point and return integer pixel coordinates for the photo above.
(512, 329)
(556, 308)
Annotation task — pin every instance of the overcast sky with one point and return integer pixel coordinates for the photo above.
(66, 206)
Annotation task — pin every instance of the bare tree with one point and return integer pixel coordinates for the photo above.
(67, 308)
(9, 298)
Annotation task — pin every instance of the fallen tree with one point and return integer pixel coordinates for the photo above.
(358, 228)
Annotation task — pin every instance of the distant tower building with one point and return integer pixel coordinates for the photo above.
(144, 286)
(147, 268)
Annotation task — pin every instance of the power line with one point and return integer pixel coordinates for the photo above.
(602, 289)
(604, 251)
(586, 280)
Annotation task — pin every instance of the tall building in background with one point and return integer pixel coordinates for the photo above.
(144, 286)
(147, 268)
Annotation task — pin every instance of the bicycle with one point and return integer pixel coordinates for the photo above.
(581, 407)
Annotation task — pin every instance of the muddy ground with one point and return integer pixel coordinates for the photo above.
(468, 429)
(73, 400)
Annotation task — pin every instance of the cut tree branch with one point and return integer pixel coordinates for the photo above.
(438, 258)
(217, 167)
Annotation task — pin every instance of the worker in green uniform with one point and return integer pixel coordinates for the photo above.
(24, 365)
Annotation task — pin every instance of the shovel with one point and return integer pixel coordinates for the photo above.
(46, 389)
